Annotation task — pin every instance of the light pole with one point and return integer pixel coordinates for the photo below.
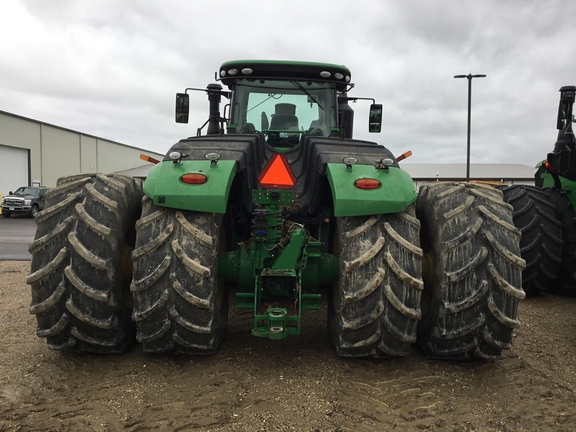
(469, 76)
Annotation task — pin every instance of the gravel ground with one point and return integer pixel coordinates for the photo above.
(297, 384)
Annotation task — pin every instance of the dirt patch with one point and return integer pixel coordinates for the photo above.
(297, 384)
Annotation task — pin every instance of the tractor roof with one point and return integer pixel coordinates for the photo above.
(285, 70)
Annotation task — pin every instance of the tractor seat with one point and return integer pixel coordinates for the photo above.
(284, 122)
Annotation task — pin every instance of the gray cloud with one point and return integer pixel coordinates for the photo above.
(111, 68)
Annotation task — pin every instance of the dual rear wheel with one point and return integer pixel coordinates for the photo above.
(108, 267)
(449, 279)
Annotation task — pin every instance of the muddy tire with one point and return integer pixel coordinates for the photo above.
(180, 305)
(81, 267)
(472, 271)
(541, 242)
(375, 307)
(566, 282)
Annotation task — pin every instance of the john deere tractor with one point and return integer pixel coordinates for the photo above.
(545, 212)
(272, 208)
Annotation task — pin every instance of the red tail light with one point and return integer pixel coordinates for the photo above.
(194, 178)
(367, 183)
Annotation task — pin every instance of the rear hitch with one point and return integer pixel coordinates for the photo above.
(279, 270)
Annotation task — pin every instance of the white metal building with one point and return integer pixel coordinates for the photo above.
(505, 173)
(32, 151)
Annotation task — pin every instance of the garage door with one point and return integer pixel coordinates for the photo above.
(13, 168)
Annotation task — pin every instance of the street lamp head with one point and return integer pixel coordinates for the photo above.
(470, 76)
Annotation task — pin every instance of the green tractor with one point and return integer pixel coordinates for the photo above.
(545, 212)
(274, 207)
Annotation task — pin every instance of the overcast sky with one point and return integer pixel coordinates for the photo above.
(112, 68)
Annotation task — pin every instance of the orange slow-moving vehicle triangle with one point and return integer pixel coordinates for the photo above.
(277, 174)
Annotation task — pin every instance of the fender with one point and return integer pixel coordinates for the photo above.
(165, 186)
(568, 186)
(395, 193)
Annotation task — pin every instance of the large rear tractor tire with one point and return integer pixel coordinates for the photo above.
(375, 307)
(472, 271)
(541, 242)
(180, 305)
(566, 282)
(81, 267)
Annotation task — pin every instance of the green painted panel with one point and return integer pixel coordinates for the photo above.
(567, 185)
(281, 63)
(396, 191)
(165, 187)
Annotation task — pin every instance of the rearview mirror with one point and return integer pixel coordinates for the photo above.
(375, 119)
(182, 107)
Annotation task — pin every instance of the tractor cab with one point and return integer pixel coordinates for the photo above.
(282, 100)
(283, 110)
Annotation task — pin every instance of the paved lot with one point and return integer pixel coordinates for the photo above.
(15, 234)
